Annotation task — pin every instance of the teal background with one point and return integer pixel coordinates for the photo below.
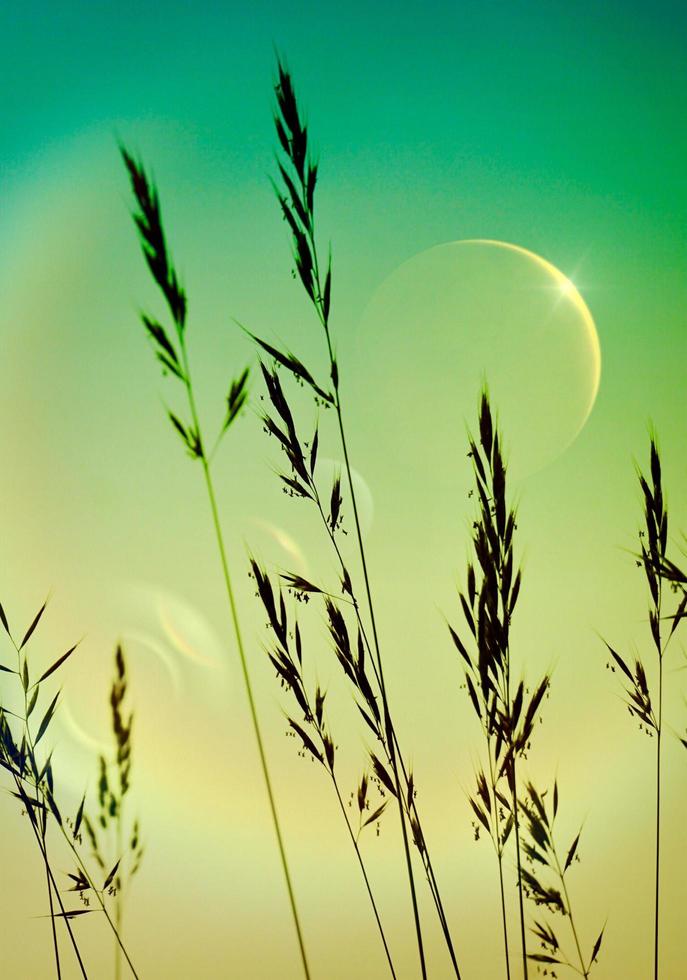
(558, 127)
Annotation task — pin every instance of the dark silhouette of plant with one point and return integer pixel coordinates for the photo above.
(114, 783)
(34, 783)
(644, 699)
(173, 356)
(507, 715)
(32, 777)
(676, 576)
(313, 730)
(539, 846)
(361, 661)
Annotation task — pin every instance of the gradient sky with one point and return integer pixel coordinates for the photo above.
(557, 127)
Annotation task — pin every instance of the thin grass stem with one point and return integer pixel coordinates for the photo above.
(583, 969)
(56, 947)
(546, 884)
(253, 709)
(41, 837)
(499, 855)
(219, 537)
(42, 842)
(412, 806)
(99, 898)
(152, 238)
(373, 623)
(306, 236)
(382, 686)
(53, 883)
(290, 671)
(359, 856)
(118, 901)
(296, 198)
(659, 731)
(516, 827)
(503, 916)
(658, 570)
(658, 808)
(507, 716)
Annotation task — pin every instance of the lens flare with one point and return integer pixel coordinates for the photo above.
(468, 312)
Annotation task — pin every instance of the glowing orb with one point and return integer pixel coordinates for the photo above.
(465, 313)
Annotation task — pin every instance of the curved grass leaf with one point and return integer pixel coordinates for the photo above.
(47, 718)
(292, 364)
(32, 627)
(110, 878)
(572, 852)
(236, 399)
(3, 620)
(58, 663)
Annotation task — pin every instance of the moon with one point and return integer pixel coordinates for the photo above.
(468, 313)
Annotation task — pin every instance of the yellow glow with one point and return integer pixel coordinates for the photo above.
(99, 746)
(570, 291)
(151, 644)
(180, 642)
(472, 310)
(284, 540)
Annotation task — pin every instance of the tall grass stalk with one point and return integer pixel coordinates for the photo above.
(314, 732)
(38, 795)
(84, 882)
(175, 360)
(643, 703)
(296, 196)
(114, 783)
(488, 603)
(23, 765)
(362, 673)
(545, 864)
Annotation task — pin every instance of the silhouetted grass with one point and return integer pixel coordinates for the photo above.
(539, 846)
(645, 698)
(114, 783)
(313, 730)
(32, 777)
(34, 781)
(172, 353)
(512, 810)
(296, 196)
(507, 715)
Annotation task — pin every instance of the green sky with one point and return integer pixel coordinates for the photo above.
(557, 127)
